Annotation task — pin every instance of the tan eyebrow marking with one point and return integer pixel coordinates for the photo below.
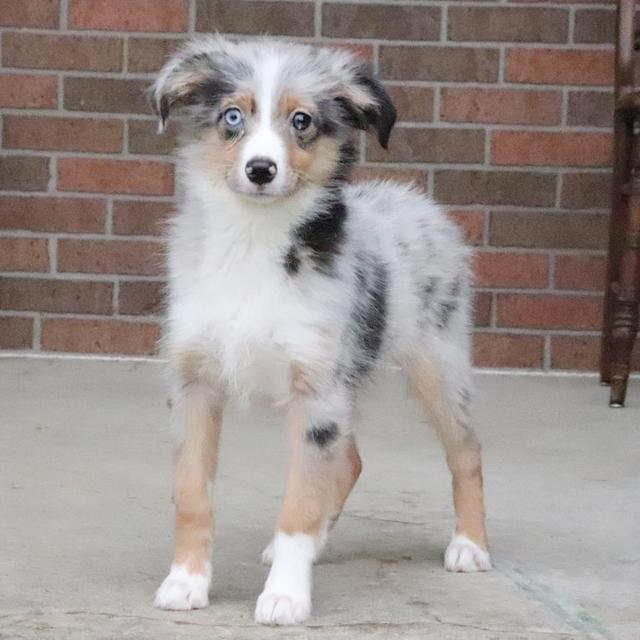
(245, 101)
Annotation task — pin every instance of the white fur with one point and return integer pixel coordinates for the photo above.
(182, 590)
(266, 141)
(230, 296)
(320, 542)
(232, 300)
(286, 598)
(465, 556)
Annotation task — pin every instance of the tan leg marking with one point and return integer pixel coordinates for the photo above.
(307, 494)
(194, 467)
(318, 482)
(461, 447)
(349, 470)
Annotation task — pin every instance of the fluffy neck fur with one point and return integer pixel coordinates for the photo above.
(312, 217)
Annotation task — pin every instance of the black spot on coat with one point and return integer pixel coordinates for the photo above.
(323, 234)
(292, 261)
(322, 434)
(449, 306)
(369, 317)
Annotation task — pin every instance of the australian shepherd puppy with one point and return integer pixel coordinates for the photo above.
(288, 283)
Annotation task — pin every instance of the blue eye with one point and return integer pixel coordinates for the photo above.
(233, 117)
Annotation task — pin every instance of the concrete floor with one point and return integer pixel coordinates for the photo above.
(85, 516)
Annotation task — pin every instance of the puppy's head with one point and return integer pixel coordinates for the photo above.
(268, 118)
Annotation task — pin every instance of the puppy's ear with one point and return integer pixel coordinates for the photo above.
(192, 76)
(367, 104)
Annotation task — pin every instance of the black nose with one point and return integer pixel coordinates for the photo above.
(261, 170)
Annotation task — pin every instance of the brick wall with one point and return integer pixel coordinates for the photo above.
(504, 109)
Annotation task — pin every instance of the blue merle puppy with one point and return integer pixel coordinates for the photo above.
(288, 283)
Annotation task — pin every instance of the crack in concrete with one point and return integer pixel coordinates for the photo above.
(569, 612)
(378, 519)
(435, 620)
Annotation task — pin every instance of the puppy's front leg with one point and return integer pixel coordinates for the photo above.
(198, 407)
(314, 495)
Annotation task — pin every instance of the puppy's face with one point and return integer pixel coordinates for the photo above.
(269, 144)
(269, 119)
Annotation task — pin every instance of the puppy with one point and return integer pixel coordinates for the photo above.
(288, 283)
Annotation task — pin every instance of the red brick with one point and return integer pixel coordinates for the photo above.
(43, 14)
(501, 106)
(577, 353)
(507, 24)
(132, 217)
(586, 191)
(106, 95)
(523, 270)
(507, 350)
(57, 296)
(549, 311)
(471, 223)
(449, 64)
(149, 54)
(595, 26)
(18, 91)
(144, 137)
(70, 215)
(129, 15)
(548, 230)
(557, 66)
(24, 173)
(110, 256)
(413, 104)
(582, 353)
(141, 297)
(16, 333)
(515, 188)
(115, 176)
(24, 254)
(543, 148)
(62, 134)
(590, 109)
(251, 17)
(100, 336)
(391, 22)
(39, 51)
(429, 145)
(482, 303)
(583, 273)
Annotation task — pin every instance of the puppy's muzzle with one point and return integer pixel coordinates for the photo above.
(261, 170)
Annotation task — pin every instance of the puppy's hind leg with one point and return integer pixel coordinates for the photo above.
(442, 386)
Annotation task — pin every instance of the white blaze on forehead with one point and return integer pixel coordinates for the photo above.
(265, 141)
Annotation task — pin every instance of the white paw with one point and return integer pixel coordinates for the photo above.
(267, 555)
(181, 590)
(464, 555)
(281, 609)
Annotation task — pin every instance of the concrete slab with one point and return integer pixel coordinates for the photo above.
(85, 517)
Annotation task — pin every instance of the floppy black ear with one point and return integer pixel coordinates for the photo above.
(367, 104)
(191, 76)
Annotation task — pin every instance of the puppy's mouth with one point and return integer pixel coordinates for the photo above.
(261, 193)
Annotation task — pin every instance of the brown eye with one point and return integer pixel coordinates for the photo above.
(301, 121)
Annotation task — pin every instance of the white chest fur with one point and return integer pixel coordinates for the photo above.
(238, 303)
